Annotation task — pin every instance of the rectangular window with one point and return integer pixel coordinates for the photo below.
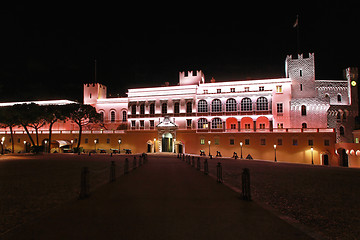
(233, 126)
(133, 123)
(188, 123)
(247, 125)
(295, 142)
(262, 125)
(18, 140)
(86, 140)
(262, 141)
(261, 88)
(108, 140)
(279, 89)
(279, 142)
(280, 125)
(202, 141)
(206, 91)
(232, 141)
(247, 141)
(217, 141)
(218, 90)
(142, 123)
(279, 108)
(327, 142)
(152, 123)
(247, 89)
(232, 89)
(311, 142)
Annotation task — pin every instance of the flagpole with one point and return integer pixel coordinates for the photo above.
(296, 25)
(298, 34)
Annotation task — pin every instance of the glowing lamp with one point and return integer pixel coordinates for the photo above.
(353, 83)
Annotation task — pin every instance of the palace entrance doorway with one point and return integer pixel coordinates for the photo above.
(167, 142)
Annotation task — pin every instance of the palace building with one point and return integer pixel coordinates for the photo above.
(295, 119)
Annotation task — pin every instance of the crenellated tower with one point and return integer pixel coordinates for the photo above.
(301, 70)
(191, 78)
(94, 91)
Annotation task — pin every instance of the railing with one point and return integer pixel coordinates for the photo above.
(199, 114)
(199, 130)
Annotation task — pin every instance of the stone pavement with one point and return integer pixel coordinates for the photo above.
(163, 199)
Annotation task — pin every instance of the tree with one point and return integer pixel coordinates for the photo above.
(82, 115)
(53, 113)
(8, 119)
(24, 117)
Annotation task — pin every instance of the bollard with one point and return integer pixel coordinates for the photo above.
(192, 161)
(246, 194)
(84, 185)
(134, 163)
(198, 164)
(206, 167)
(183, 157)
(219, 173)
(126, 166)
(112, 171)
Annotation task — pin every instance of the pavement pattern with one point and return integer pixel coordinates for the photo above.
(163, 199)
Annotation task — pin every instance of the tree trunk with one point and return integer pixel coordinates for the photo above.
(12, 139)
(27, 131)
(37, 136)
(50, 133)
(79, 140)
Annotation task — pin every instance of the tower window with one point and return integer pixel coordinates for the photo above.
(339, 98)
(301, 88)
(303, 110)
(301, 73)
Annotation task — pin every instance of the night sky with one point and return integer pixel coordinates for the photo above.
(48, 51)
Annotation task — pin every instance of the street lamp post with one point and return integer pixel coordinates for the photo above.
(45, 142)
(25, 146)
(72, 145)
(2, 145)
(275, 152)
(312, 155)
(154, 145)
(119, 141)
(241, 144)
(209, 142)
(95, 141)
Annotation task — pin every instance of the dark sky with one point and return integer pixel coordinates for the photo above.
(48, 51)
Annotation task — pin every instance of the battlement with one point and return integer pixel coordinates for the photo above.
(191, 78)
(94, 91)
(299, 56)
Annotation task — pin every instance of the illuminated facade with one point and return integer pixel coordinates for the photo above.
(294, 113)
(297, 101)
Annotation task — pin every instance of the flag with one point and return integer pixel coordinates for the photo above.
(296, 22)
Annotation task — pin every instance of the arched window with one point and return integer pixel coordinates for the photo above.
(262, 104)
(164, 108)
(216, 105)
(246, 105)
(203, 123)
(231, 105)
(152, 108)
(342, 131)
(112, 116)
(142, 108)
(339, 97)
(124, 116)
(303, 110)
(304, 125)
(202, 106)
(216, 123)
(176, 107)
(189, 107)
